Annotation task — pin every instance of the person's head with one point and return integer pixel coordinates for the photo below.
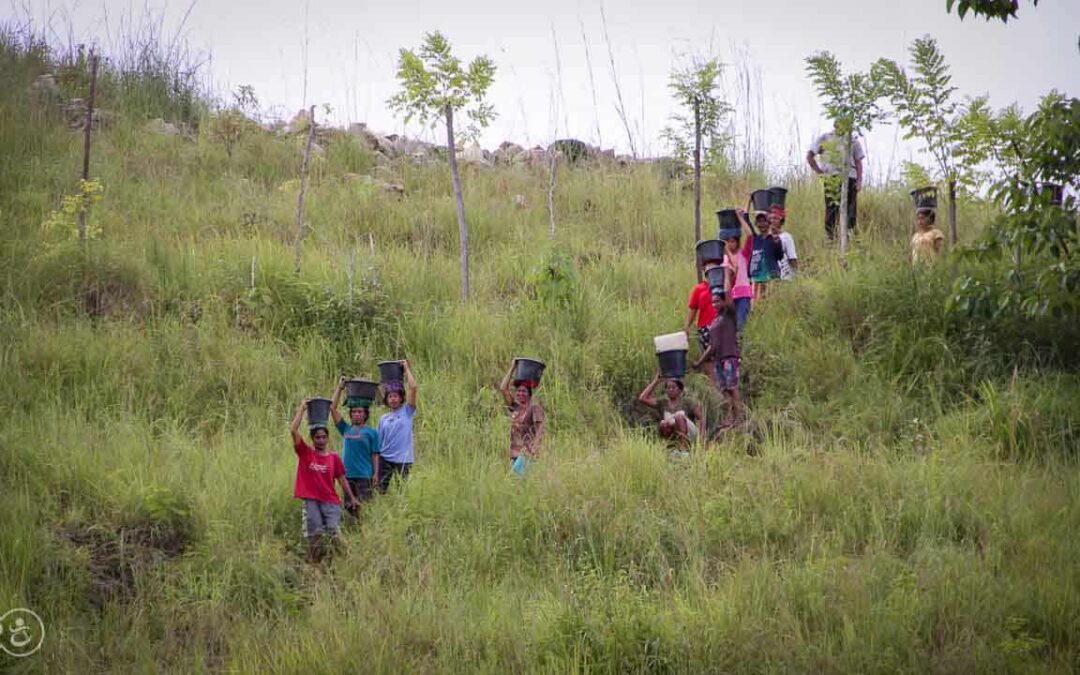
(719, 300)
(393, 395)
(358, 416)
(673, 388)
(761, 221)
(523, 392)
(925, 218)
(776, 219)
(731, 245)
(319, 437)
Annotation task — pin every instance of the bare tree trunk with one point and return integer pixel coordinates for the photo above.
(552, 166)
(463, 228)
(844, 178)
(303, 188)
(697, 177)
(86, 144)
(952, 212)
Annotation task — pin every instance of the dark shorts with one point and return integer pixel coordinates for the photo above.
(361, 489)
(832, 209)
(389, 469)
(727, 373)
(703, 338)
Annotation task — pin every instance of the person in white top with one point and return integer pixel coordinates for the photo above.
(789, 262)
(824, 147)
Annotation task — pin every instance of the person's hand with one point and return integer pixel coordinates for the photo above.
(741, 212)
(354, 504)
(858, 184)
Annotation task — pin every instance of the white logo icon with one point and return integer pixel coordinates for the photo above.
(21, 632)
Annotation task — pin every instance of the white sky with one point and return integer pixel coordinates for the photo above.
(351, 52)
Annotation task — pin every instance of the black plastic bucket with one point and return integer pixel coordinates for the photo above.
(709, 250)
(924, 197)
(672, 363)
(528, 370)
(1052, 191)
(360, 391)
(318, 412)
(761, 199)
(728, 220)
(715, 278)
(777, 196)
(391, 371)
(726, 233)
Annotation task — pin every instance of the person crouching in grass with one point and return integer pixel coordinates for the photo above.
(724, 350)
(316, 470)
(360, 447)
(679, 417)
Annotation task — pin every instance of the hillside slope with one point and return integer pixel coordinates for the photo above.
(906, 500)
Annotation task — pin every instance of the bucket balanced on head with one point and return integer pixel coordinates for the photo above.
(729, 224)
(671, 350)
(924, 198)
(360, 393)
(318, 413)
(528, 372)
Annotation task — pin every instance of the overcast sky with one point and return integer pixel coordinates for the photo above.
(545, 52)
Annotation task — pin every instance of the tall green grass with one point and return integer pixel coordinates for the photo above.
(905, 497)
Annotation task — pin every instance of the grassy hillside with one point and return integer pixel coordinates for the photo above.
(907, 499)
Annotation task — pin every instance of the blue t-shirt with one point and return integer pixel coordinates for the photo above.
(395, 432)
(359, 444)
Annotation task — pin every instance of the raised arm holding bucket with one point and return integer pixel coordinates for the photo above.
(526, 416)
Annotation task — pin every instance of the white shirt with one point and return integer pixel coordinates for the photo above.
(820, 147)
(788, 242)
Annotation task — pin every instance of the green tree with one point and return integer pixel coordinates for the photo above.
(435, 86)
(851, 102)
(925, 107)
(989, 9)
(696, 89)
(1038, 223)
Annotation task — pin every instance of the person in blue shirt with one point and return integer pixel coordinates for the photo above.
(361, 447)
(396, 428)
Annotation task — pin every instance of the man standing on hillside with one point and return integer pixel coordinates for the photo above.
(825, 157)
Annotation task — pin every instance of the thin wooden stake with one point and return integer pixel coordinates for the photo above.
(552, 165)
(86, 144)
(303, 189)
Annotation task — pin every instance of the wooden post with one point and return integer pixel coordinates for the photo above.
(86, 144)
(463, 228)
(552, 165)
(697, 178)
(844, 178)
(303, 188)
(952, 212)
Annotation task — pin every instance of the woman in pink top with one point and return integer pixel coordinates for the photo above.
(738, 260)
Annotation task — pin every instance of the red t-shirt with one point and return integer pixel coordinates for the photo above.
(701, 300)
(315, 474)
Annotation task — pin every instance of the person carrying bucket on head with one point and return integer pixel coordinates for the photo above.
(360, 443)
(765, 250)
(710, 256)
(724, 350)
(679, 419)
(737, 258)
(316, 471)
(526, 416)
(396, 427)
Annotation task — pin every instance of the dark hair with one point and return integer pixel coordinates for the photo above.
(678, 383)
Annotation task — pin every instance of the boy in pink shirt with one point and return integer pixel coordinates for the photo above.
(316, 471)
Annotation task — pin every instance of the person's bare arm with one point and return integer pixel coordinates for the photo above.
(376, 461)
(705, 356)
(504, 386)
(298, 418)
(744, 224)
(691, 314)
(811, 159)
(858, 174)
(646, 397)
(538, 434)
(334, 412)
(347, 490)
(410, 384)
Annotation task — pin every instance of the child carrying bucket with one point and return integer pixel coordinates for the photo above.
(526, 416)
(724, 350)
(316, 471)
(396, 427)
